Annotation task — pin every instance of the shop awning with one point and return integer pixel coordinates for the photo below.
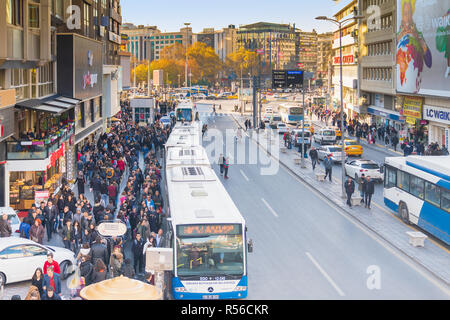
(67, 100)
(385, 113)
(52, 105)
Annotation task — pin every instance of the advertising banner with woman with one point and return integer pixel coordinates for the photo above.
(423, 47)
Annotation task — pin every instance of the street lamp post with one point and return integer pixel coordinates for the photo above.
(187, 45)
(339, 24)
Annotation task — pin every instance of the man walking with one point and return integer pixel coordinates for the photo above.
(349, 190)
(138, 254)
(314, 157)
(370, 190)
(362, 186)
(328, 163)
(221, 162)
(5, 228)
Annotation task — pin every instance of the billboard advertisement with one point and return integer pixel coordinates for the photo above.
(423, 47)
(88, 68)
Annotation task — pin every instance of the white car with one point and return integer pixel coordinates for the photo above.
(224, 95)
(356, 168)
(282, 128)
(165, 121)
(334, 150)
(299, 136)
(19, 258)
(13, 219)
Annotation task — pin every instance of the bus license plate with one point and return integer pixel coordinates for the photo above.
(213, 297)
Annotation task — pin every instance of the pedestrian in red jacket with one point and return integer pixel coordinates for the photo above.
(51, 262)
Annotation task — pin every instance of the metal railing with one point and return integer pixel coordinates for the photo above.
(36, 149)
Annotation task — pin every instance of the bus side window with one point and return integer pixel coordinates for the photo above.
(391, 177)
(445, 200)
(403, 181)
(432, 194)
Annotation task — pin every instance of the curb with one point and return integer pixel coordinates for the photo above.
(348, 212)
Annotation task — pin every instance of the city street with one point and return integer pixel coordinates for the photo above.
(306, 248)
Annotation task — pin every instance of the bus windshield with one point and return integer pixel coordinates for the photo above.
(296, 111)
(185, 114)
(276, 118)
(210, 250)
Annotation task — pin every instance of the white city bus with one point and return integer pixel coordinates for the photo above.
(291, 114)
(185, 111)
(207, 234)
(194, 155)
(418, 189)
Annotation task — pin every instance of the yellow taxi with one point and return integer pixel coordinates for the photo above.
(353, 148)
(308, 126)
(338, 132)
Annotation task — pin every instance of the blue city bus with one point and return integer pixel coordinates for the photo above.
(417, 188)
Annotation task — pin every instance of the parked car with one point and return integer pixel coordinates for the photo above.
(211, 97)
(308, 126)
(19, 258)
(334, 150)
(13, 219)
(353, 148)
(356, 168)
(224, 95)
(325, 135)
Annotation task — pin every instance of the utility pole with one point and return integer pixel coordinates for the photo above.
(255, 92)
(148, 79)
(303, 128)
(187, 45)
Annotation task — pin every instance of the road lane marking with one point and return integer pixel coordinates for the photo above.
(269, 207)
(245, 177)
(335, 286)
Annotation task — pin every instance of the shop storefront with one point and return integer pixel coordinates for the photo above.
(382, 116)
(438, 124)
(7, 102)
(29, 183)
(412, 111)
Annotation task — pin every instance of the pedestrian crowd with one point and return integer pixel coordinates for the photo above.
(102, 167)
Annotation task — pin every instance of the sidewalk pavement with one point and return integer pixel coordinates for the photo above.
(364, 142)
(434, 256)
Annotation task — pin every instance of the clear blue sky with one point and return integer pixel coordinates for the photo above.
(169, 15)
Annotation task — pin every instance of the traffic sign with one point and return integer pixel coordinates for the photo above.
(287, 78)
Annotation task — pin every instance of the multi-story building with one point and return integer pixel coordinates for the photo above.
(223, 41)
(349, 63)
(276, 44)
(324, 61)
(378, 64)
(307, 51)
(37, 119)
(147, 42)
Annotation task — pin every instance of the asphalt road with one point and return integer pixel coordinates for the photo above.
(305, 248)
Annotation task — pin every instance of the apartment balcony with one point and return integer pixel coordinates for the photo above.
(38, 149)
(377, 61)
(379, 36)
(378, 86)
(14, 43)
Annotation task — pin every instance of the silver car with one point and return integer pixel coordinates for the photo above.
(334, 150)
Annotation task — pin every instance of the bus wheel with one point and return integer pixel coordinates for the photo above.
(403, 211)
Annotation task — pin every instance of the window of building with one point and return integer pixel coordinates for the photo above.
(33, 15)
(86, 19)
(14, 12)
(19, 81)
(45, 76)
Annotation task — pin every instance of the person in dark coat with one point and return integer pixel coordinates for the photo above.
(349, 190)
(38, 280)
(314, 155)
(81, 181)
(99, 251)
(50, 294)
(138, 253)
(50, 213)
(86, 268)
(127, 270)
(369, 191)
(37, 232)
(100, 272)
(5, 228)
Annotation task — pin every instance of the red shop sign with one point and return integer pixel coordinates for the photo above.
(56, 155)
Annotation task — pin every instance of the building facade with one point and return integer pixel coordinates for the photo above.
(147, 42)
(223, 41)
(307, 51)
(276, 44)
(324, 61)
(349, 64)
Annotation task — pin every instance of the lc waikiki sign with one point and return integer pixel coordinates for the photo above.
(437, 114)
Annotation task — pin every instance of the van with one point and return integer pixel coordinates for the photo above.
(274, 120)
(299, 136)
(325, 136)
